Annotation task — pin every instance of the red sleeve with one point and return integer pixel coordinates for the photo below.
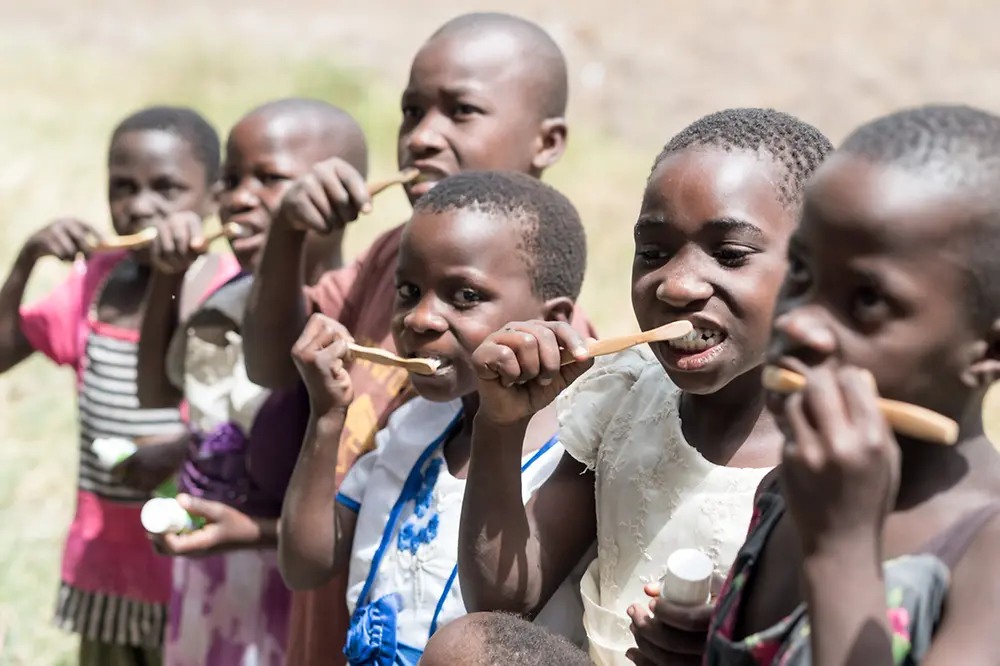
(52, 325)
(337, 294)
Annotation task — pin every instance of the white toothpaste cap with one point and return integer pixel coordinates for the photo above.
(688, 580)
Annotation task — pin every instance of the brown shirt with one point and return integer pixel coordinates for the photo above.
(360, 297)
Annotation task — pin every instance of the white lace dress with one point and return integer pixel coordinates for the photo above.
(655, 493)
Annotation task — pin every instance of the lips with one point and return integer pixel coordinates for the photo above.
(697, 349)
(698, 340)
(429, 177)
(444, 364)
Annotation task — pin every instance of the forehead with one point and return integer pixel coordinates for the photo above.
(882, 208)
(268, 136)
(912, 228)
(460, 238)
(476, 61)
(699, 184)
(153, 149)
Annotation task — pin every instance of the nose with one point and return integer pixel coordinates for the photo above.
(241, 198)
(683, 287)
(427, 137)
(425, 317)
(803, 332)
(142, 207)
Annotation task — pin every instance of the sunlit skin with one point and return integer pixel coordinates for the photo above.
(463, 109)
(265, 153)
(460, 277)
(878, 280)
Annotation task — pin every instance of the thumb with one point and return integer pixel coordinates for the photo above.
(651, 589)
(211, 511)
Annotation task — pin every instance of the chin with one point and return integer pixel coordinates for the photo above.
(705, 379)
(440, 387)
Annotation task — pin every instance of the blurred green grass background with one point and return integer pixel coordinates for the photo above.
(52, 163)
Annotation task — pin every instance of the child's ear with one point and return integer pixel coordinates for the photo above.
(551, 143)
(984, 369)
(558, 309)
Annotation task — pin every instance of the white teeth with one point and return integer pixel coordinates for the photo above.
(697, 340)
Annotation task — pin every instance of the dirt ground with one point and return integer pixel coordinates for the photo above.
(639, 70)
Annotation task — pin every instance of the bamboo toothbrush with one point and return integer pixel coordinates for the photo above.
(231, 230)
(904, 418)
(428, 366)
(671, 331)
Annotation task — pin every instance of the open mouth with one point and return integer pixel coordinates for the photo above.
(443, 365)
(426, 180)
(697, 341)
(694, 351)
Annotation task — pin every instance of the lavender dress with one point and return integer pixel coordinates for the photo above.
(230, 609)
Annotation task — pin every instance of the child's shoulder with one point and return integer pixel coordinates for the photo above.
(416, 425)
(631, 382)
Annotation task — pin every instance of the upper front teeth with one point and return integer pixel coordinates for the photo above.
(697, 340)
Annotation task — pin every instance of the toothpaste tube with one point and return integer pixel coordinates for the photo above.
(111, 451)
(163, 515)
(688, 580)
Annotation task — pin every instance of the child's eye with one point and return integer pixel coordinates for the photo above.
(651, 255)
(733, 256)
(121, 188)
(407, 292)
(797, 278)
(268, 179)
(412, 112)
(868, 305)
(230, 182)
(465, 110)
(467, 297)
(169, 189)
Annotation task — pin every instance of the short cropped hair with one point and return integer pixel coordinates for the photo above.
(553, 240)
(510, 640)
(185, 123)
(795, 145)
(543, 55)
(962, 145)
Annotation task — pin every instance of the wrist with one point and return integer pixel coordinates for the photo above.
(27, 257)
(486, 423)
(329, 419)
(282, 228)
(846, 556)
(498, 439)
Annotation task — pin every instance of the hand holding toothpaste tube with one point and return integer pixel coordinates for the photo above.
(213, 528)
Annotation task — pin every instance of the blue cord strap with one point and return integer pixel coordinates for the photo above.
(371, 640)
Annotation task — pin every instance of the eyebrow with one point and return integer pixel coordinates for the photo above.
(724, 224)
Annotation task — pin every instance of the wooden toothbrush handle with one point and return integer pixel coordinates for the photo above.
(919, 422)
(400, 178)
(906, 419)
(607, 346)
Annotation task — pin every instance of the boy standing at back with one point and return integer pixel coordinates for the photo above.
(463, 108)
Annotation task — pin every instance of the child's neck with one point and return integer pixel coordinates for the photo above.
(731, 426)
(120, 300)
(927, 469)
(458, 448)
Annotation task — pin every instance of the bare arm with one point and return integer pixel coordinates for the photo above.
(315, 532)
(513, 557)
(967, 633)
(159, 322)
(276, 312)
(847, 609)
(14, 347)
